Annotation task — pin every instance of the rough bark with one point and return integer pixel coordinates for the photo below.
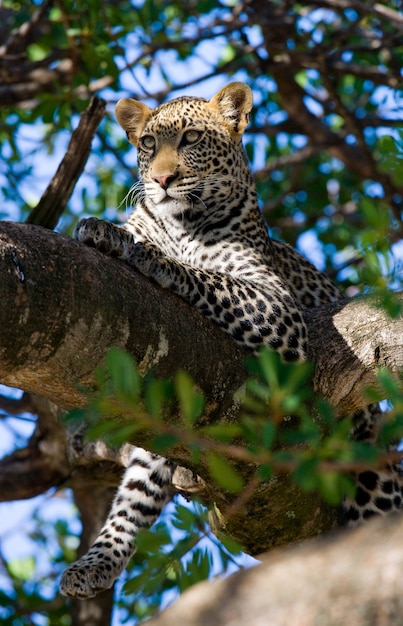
(348, 343)
(353, 578)
(64, 305)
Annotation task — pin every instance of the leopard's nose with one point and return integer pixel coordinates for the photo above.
(165, 180)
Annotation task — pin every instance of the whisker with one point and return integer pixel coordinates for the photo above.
(135, 194)
(194, 199)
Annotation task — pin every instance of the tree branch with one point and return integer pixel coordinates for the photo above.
(52, 340)
(43, 463)
(18, 38)
(36, 81)
(53, 202)
(353, 578)
(15, 406)
(348, 342)
(71, 304)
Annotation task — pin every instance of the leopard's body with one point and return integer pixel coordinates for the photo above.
(198, 232)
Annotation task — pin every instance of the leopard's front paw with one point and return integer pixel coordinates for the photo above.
(97, 234)
(89, 576)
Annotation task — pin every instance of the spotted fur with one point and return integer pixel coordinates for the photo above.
(198, 232)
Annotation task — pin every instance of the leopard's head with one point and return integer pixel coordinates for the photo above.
(189, 149)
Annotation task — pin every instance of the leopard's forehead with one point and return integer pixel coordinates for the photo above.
(178, 114)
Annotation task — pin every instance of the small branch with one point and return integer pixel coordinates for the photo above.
(295, 158)
(34, 82)
(53, 202)
(377, 9)
(194, 439)
(377, 76)
(13, 406)
(32, 470)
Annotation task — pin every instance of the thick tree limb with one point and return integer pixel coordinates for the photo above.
(348, 343)
(353, 578)
(63, 305)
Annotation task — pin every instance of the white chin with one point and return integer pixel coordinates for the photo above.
(166, 203)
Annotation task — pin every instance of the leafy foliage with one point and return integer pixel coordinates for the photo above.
(276, 428)
(29, 585)
(276, 432)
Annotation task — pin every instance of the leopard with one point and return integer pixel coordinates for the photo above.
(197, 231)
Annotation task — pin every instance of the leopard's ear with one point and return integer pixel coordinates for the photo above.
(132, 116)
(234, 102)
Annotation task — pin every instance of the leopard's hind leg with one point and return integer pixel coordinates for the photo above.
(378, 491)
(138, 502)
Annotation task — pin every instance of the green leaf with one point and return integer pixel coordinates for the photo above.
(157, 395)
(222, 432)
(389, 383)
(124, 375)
(36, 52)
(191, 401)
(196, 569)
(335, 486)
(227, 54)
(164, 441)
(306, 474)
(22, 568)
(223, 473)
(152, 540)
(269, 434)
(391, 303)
(186, 518)
(230, 544)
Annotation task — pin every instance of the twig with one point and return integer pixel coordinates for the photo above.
(289, 159)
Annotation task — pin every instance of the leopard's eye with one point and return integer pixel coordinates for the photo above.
(147, 142)
(190, 137)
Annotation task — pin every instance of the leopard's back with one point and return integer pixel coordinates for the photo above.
(310, 286)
